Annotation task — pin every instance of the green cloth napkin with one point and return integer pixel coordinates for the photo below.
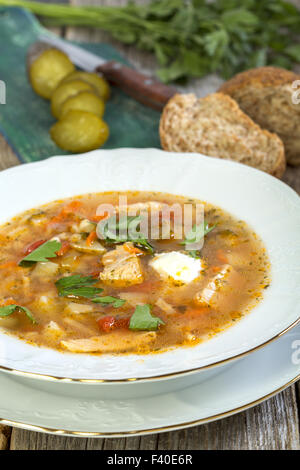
(25, 119)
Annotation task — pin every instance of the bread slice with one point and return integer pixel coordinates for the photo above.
(265, 94)
(215, 126)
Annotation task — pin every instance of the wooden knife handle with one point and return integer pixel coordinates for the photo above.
(144, 89)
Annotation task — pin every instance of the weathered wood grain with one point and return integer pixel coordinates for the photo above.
(272, 425)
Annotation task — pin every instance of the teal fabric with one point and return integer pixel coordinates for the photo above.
(25, 119)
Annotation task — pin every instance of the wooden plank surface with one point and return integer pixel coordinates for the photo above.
(272, 425)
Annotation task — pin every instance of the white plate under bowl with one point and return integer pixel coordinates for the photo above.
(239, 386)
(264, 202)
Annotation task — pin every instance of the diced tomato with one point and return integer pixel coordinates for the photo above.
(110, 323)
(123, 323)
(95, 273)
(106, 324)
(34, 246)
(65, 246)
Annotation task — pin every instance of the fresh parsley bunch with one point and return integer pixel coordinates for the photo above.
(191, 38)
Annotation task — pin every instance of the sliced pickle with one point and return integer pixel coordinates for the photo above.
(98, 82)
(79, 131)
(83, 101)
(47, 70)
(65, 91)
(79, 243)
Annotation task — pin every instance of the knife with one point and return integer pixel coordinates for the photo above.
(142, 88)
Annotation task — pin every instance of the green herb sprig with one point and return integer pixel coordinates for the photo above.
(142, 319)
(115, 231)
(42, 253)
(108, 299)
(10, 309)
(77, 286)
(192, 38)
(195, 235)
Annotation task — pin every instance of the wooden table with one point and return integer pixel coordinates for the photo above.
(272, 425)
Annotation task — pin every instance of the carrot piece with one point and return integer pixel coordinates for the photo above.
(8, 302)
(71, 207)
(132, 249)
(65, 246)
(8, 264)
(98, 218)
(65, 211)
(221, 256)
(216, 269)
(91, 238)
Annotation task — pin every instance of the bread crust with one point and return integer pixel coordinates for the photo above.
(260, 77)
(178, 103)
(265, 94)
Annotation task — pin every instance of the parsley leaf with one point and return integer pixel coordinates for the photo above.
(192, 38)
(194, 254)
(115, 301)
(115, 231)
(143, 320)
(196, 234)
(42, 253)
(10, 309)
(77, 286)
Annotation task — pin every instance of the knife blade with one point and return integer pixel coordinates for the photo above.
(84, 59)
(142, 88)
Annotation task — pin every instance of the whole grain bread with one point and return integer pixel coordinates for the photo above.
(216, 126)
(265, 94)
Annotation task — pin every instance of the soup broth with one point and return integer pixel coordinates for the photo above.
(62, 287)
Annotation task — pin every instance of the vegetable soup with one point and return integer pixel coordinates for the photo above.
(69, 282)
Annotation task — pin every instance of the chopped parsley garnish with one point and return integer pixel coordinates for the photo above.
(42, 253)
(143, 320)
(10, 309)
(108, 299)
(124, 229)
(196, 234)
(77, 286)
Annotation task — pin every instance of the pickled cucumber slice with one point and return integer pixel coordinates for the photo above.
(46, 71)
(98, 82)
(83, 101)
(65, 91)
(79, 131)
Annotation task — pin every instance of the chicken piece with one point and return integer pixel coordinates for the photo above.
(111, 343)
(121, 268)
(53, 331)
(74, 308)
(165, 306)
(78, 327)
(134, 298)
(208, 295)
